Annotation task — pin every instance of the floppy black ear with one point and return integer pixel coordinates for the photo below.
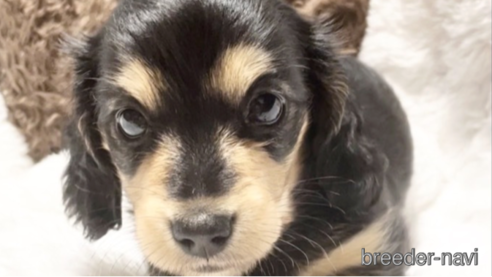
(327, 82)
(92, 191)
(337, 147)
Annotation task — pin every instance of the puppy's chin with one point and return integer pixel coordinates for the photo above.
(215, 269)
(237, 270)
(219, 270)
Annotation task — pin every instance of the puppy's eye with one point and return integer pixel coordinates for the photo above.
(131, 123)
(265, 109)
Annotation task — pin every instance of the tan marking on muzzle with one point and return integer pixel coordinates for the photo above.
(260, 199)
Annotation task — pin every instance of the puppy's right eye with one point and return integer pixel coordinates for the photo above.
(265, 109)
(131, 123)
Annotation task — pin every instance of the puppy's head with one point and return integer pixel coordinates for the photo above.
(200, 111)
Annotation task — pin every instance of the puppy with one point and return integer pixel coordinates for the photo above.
(244, 143)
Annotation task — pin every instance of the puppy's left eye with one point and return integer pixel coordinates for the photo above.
(265, 109)
(131, 123)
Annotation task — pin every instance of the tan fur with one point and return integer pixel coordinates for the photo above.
(260, 198)
(372, 238)
(238, 68)
(141, 82)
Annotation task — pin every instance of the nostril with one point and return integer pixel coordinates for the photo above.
(188, 243)
(220, 240)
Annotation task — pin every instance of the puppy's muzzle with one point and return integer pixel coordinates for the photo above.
(203, 235)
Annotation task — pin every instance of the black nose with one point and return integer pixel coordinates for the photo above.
(203, 235)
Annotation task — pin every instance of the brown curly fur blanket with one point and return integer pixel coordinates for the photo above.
(35, 75)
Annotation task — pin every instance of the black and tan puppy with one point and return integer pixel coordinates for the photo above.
(244, 144)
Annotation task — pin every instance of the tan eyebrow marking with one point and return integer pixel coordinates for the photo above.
(238, 68)
(140, 81)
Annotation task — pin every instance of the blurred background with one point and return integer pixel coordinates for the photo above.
(435, 53)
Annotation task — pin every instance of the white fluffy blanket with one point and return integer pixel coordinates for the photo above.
(435, 53)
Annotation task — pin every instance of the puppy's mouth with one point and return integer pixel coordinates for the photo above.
(210, 269)
(220, 268)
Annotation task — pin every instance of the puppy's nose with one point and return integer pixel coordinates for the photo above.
(203, 235)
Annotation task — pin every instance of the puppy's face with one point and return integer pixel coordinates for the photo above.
(203, 109)
(202, 112)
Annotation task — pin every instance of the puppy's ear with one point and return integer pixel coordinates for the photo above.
(336, 144)
(327, 82)
(92, 190)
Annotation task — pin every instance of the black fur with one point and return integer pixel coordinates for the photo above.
(92, 190)
(353, 178)
(357, 152)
